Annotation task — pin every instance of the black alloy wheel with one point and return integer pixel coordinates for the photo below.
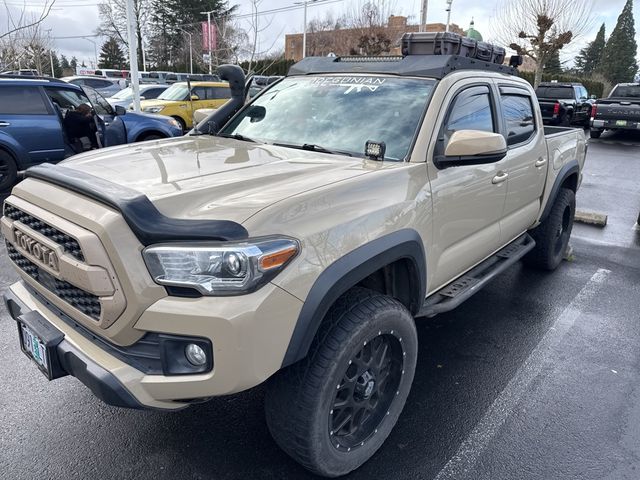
(366, 391)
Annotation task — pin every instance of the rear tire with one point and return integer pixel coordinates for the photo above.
(595, 133)
(8, 171)
(334, 409)
(552, 235)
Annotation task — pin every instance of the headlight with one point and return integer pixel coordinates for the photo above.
(153, 109)
(174, 122)
(228, 268)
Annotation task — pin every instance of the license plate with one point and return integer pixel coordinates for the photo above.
(34, 348)
(621, 123)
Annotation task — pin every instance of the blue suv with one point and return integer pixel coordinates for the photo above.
(32, 113)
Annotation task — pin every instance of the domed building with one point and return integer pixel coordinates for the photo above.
(473, 33)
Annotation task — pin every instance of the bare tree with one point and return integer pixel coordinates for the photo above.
(369, 19)
(324, 36)
(23, 21)
(23, 42)
(113, 21)
(540, 28)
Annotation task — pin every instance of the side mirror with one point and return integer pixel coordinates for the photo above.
(593, 97)
(473, 147)
(194, 98)
(120, 110)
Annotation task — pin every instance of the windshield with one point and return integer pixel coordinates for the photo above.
(175, 92)
(554, 92)
(338, 113)
(125, 94)
(626, 91)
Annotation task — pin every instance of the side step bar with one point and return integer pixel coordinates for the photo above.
(452, 295)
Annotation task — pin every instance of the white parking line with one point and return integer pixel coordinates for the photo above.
(468, 453)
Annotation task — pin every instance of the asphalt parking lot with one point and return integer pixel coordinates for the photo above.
(535, 377)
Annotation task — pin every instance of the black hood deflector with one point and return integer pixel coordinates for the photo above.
(144, 219)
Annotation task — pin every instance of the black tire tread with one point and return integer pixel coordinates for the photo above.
(295, 385)
(542, 255)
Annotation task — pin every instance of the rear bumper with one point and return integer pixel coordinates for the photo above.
(611, 125)
(73, 362)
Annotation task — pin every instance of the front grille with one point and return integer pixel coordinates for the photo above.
(69, 244)
(87, 303)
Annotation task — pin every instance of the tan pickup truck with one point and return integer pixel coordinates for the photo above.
(292, 240)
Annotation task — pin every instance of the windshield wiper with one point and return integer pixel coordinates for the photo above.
(237, 136)
(314, 148)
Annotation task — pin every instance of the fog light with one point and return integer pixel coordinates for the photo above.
(195, 354)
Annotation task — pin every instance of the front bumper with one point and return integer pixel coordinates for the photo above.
(71, 361)
(250, 335)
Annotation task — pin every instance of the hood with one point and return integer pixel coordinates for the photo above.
(216, 178)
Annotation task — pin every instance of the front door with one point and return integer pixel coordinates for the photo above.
(468, 200)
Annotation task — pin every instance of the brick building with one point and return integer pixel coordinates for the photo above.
(383, 40)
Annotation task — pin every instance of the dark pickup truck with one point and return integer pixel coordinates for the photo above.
(619, 111)
(564, 103)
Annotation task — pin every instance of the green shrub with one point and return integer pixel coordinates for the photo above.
(593, 87)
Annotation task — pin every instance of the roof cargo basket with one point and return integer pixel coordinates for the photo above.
(449, 43)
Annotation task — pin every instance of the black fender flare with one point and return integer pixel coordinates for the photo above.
(570, 168)
(346, 272)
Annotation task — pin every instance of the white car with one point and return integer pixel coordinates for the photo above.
(124, 97)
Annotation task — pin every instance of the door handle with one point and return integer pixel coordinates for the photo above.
(500, 177)
(541, 162)
(4, 124)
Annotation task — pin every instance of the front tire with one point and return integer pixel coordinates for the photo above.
(552, 235)
(8, 171)
(333, 410)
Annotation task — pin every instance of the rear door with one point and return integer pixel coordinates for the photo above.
(29, 125)
(526, 162)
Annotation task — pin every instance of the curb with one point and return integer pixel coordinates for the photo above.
(591, 218)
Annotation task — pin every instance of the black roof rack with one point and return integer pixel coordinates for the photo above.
(431, 66)
(424, 54)
(31, 77)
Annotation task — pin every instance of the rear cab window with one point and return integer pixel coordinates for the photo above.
(565, 93)
(518, 113)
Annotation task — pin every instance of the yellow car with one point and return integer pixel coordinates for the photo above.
(174, 101)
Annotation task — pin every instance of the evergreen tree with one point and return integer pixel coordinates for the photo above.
(57, 69)
(64, 63)
(553, 65)
(73, 64)
(619, 56)
(111, 55)
(589, 58)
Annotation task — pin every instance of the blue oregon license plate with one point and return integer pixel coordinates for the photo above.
(33, 347)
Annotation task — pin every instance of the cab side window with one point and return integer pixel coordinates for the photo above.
(470, 110)
(517, 111)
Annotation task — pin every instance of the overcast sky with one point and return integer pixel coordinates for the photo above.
(80, 17)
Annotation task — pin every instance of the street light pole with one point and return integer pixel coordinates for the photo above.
(190, 49)
(304, 32)
(423, 15)
(209, 40)
(449, 2)
(133, 57)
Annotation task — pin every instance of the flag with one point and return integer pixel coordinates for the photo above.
(205, 36)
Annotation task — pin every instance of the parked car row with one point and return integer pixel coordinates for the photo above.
(36, 124)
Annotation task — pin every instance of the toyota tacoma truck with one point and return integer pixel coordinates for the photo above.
(291, 240)
(619, 111)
